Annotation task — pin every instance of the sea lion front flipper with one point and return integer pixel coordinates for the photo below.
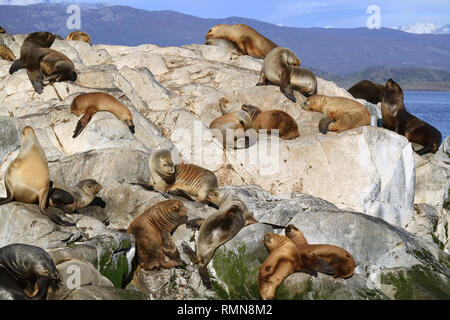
(195, 223)
(43, 196)
(285, 85)
(424, 150)
(83, 122)
(322, 266)
(9, 197)
(180, 193)
(98, 202)
(60, 197)
(190, 253)
(17, 65)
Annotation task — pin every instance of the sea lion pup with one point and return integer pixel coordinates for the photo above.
(283, 260)
(188, 180)
(79, 36)
(218, 229)
(89, 104)
(226, 44)
(278, 68)
(370, 91)
(273, 120)
(153, 230)
(230, 128)
(27, 178)
(6, 53)
(27, 53)
(340, 113)
(249, 41)
(324, 258)
(79, 196)
(26, 272)
(397, 119)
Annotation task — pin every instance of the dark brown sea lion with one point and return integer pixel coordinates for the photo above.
(283, 260)
(26, 272)
(370, 91)
(397, 119)
(278, 68)
(153, 230)
(218, 229)
(273, 120)
(249, 41)
(27, 178)
(324, 258)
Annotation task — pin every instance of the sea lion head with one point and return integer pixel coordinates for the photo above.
(393, 95)
(251, 110)
(293, 233)
(127, 118)
(216, 31)
(289, 57)
(174, 214)
(163, 162)
(42, 39)
(313, 103)
(90, 186)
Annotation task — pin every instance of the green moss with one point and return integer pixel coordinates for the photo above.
(238, 274)
(417, 283)
(437, 241)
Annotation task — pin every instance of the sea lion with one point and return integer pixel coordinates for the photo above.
(27, 178)
(2, 30)
(397, 119)
(249, 41)
(230, 128)
(79, 196)
(26, 272)
(273, 120)
(370, 91)
(36, 39)
(277, 69)
(324, 258)
(88, 104)
(153, 230)
(340, 113)
(79, 36)
(283, 260)
(216, 230)
(226, 44)
(44, 65)
(304, 80)
(6, 53)
(188, 180)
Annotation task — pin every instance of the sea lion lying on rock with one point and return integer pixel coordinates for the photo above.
(76, 197)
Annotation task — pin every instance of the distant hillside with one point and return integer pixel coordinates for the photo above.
(408, 78)
(337, 51)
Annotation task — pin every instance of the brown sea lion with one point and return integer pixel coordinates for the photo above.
(226, 44)
(89, 104)
(283, 260)
(36, 39)
(249, 41)
(79, 36)
(6, 53)
(27, 178)
(80, 195)
(230, 128)
(153, 230)
(340, 113)
(278, 68)
(370, 91)
(397, 119)
(273, 120)
(188, 180)
(26, 273)
(323, 258)
(218, 229)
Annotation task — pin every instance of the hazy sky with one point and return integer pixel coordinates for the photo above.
(301, 13)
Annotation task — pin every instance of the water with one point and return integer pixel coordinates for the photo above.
(431, 107)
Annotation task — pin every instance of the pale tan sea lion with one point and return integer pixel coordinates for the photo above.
(230, 128)
(6, 53)
(79, 36)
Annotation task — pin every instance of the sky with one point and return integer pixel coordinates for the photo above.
(300, 13)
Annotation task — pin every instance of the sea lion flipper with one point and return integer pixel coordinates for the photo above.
(195, 223)
(52, 216)
(324, 123)
(82, 123)
(98, 202)
(17, 65)
(60, 197)
(285, 85)
(322, 266)
(181, 193)
(204, 275)
(190, 253)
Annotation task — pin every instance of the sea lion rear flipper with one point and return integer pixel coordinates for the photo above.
(17, 65)
(204, 275)
(324, 123)
(52, 216)
(424, 150)
(285, 85)
(195, 223)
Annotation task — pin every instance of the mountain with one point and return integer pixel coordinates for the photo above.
(425, 27)
(336, 51)
(408, 78)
